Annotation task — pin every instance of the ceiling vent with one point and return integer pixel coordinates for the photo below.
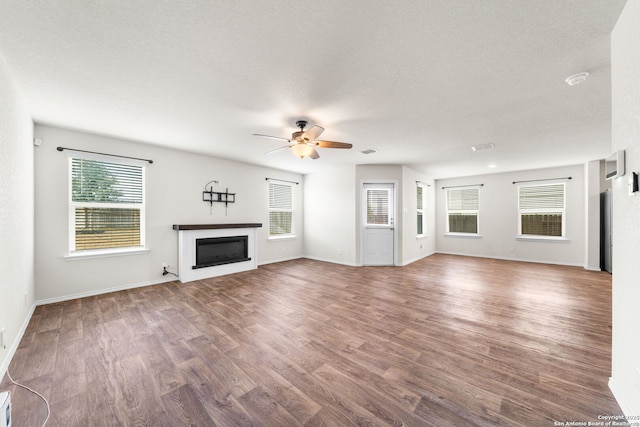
(368, 151)
(483, 147)
(576, 78)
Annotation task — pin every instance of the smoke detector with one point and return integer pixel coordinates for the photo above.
(576, 78)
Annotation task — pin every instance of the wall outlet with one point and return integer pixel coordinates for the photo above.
(340, 251)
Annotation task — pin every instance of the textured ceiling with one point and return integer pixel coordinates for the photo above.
(419, 81)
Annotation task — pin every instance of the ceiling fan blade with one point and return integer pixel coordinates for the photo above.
(314, 155)
(332, 144)
(271, 137)
(313, 132)
(276, 149)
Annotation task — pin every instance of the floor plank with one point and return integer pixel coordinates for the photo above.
(444, 341)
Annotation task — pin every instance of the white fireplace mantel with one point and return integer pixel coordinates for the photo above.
(187, 235)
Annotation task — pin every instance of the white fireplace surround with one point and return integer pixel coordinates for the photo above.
(187, 235)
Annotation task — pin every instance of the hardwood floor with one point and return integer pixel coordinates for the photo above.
(445, 341)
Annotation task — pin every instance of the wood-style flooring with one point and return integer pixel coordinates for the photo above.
(445, 341)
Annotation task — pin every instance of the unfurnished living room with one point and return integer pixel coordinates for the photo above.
(283, 213)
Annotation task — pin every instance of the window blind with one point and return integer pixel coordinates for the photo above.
(462, 210)
(280, 209)
(378, 206)
(420, 210)
(541, 210)
(107, 201)
(542, 196)
(462, 200)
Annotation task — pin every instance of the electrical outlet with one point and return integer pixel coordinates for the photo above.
(340, 251)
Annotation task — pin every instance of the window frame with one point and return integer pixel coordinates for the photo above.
(270, 209)
(476, 212)
(421, 210)
(73, 252)
(562, 211)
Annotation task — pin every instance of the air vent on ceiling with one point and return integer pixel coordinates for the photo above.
(368, 151)
(483, 146)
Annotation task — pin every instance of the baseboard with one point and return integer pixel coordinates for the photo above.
(623, 402)
(104, 291)
(273, 261)
(332, 261)
(411, 261)
(535, 261)
(16, 342)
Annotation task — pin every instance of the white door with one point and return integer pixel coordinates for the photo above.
(378, 234)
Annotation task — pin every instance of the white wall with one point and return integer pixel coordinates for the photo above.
(330, 215)
(625, 67)
(16, 216)
(413, 247)
(174, 185)
(498, 220)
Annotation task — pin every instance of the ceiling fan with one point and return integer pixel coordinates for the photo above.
(303, 143)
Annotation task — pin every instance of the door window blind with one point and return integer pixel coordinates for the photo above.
(378, 206)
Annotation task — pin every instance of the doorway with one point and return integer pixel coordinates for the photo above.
(378, 224)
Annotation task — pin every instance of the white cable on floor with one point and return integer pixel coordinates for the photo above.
(34, 392)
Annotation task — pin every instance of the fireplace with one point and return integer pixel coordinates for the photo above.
(210, 250)
(221, 250)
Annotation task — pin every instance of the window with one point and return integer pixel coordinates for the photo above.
(462, 210)
(378, 206)
(280, 209)
(106, 205)
(421, 192)
(541, 210)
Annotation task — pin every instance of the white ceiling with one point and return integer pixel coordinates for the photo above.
(420, 81)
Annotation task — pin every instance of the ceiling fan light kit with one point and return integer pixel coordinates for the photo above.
(303, 143)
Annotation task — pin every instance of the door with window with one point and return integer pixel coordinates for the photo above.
(378, 231)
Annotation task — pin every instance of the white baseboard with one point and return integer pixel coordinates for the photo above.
(273, 261)
(104, 291)
(536, 261)
(16, 342)
(411, 261)
(332, 261)
(623, 401)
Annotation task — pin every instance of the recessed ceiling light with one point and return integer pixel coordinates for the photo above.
(492, 165)
(576, 78)
(483, 146)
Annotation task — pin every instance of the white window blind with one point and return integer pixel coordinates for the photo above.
(280, 209)
(378, 206)
(462, 210)
(541, 209)
(106, 205)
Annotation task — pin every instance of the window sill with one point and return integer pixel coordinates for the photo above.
(543, 239)
(106, 253)
(467, 235)
(285, 237)
(421, 236)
